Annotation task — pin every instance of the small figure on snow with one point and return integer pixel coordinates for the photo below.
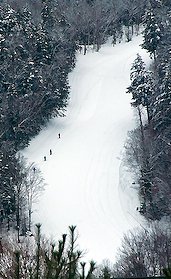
(80, 49)
(50, 151)
(34, 169)
(59, 135)
(44, 158)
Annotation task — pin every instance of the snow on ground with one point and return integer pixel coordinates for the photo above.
(82, 174)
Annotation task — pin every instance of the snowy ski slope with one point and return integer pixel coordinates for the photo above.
(82, 174)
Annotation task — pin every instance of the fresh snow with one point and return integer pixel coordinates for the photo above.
(86, 183)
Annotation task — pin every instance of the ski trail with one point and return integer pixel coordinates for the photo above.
(82, 174)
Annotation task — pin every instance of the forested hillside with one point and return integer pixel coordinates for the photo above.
(36, 58)
(39, 41)
(149, 146)
(38, 45)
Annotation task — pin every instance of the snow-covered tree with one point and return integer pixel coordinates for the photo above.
(11, 190)
(8, 176)
(141, 86)
(142, 89)
(36, 60)
(161, 105)
(152, 33)
(37, 257)
(137, 80)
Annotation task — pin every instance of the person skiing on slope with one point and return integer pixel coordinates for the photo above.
(44, 158)
(59, 135)
(50, 151)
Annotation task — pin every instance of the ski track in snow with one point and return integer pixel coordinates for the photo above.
(82, 174)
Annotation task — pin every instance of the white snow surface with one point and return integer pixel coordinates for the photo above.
(87, 185)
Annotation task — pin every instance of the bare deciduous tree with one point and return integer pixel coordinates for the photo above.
(34, 186)
(144, 252)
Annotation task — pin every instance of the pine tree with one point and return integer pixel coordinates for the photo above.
(162, 103)
(34, 73)
(152, 33)
(141, 89)
(137, 80)
(161, 108)
(8, 179)
(9, 27)
(141, 86)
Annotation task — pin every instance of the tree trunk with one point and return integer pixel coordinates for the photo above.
(29, 220)
(148, 114)
(85, 49)
(18, 219)
(142, 129)
(97, 42)
(8, 223)
(83, 270)
(17, 269)
(38, 252)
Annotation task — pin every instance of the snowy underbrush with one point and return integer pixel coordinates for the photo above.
(37, 257)
(13, 254)
(144, 252)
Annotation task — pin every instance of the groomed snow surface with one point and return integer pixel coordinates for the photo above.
(84, 187)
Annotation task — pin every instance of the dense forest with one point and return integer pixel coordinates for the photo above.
(39, 41)
(149, 146)
(38, 45)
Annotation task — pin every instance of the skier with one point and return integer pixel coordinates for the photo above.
(59, 135)
(44, 158)
(34, 169)
(80, 49)
(50, 151)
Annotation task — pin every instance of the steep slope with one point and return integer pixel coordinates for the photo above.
(82, 174)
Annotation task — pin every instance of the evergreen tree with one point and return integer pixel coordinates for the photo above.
(137, 80)
(161, 112)
(152, 33)
(141, 86)
(8, 178)
(162, 103)
(9, 27)
(34, 73)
